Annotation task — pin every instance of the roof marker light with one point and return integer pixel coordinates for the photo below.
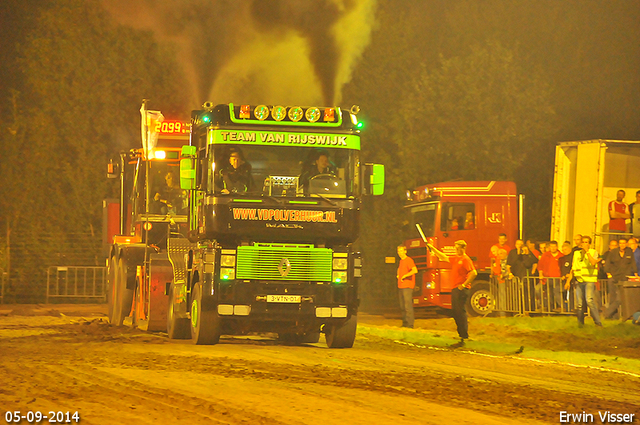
(329, 114)
(245, 111)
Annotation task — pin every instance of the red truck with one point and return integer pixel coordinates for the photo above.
(474, 211)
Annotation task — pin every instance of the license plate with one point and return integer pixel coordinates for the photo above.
(283, 298)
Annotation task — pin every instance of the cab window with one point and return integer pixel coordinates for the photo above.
(458, 216)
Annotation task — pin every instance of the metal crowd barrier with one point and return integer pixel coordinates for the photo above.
(77, 282)
(539, 295)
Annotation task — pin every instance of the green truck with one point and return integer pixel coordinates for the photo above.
(274, 196)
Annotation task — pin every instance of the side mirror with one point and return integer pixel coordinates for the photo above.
(374, 179)
(113, 170)
(188, 168)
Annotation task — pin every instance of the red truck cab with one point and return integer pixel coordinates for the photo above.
(476, 212)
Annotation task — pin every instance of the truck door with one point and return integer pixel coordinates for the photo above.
(458, 221)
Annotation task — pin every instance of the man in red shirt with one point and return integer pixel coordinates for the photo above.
(498, 256)
(462, 274)
(618, 214)
(406, 276)
(498, 259)
(549, 267)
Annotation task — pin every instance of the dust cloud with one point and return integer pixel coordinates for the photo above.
(286, 52)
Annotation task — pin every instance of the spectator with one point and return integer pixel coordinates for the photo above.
(584, 269)
(633, 244)
(531, 244)
(520, 261)
(544, 247)
(549, 267)
(602, 272)
(620, 263)
(634, 210)
(462, 274)
(602, 269)
(498, 257)
(406, 276)
(577, 240)
(565, 270)
(618, 213)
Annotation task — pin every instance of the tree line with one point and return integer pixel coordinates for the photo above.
(449, 90)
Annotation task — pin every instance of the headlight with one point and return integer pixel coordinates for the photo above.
(340, 263)
(227, 273)
(228, 260)
(339, 277)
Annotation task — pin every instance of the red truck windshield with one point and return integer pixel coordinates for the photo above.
(423, 214)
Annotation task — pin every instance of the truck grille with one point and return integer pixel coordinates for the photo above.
(284, 262)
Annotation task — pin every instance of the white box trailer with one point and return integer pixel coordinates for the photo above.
(587, 176)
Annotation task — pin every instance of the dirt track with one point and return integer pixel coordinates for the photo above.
(120, 376)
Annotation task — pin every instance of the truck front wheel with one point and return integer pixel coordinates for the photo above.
(111, 287)
(205, 321)
(177, 328)
(122, 297)
(342, 336)
(480, 302)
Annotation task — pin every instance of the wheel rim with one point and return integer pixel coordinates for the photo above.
(170, 312)
(194, 313)
(482, 302)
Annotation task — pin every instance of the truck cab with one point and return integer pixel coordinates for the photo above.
(476, 212)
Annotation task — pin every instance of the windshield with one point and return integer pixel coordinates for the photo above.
(284, 171)
(165, 195)
(425, 216)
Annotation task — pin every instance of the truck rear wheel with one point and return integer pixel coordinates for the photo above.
(342, 336)
(480, 302)
(205, 321)
(111, 288)
(177, 327)
(122, 296)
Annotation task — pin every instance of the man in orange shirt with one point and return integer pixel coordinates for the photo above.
(498, 257)
(406, 276)
(462, 274)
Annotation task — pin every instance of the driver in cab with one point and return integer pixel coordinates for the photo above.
(235, 176)
(318, 164)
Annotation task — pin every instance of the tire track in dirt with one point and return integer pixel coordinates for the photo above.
(93, 392)
(446, 387)
(68, 367)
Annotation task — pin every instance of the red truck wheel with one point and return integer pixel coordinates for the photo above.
(481, 302)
